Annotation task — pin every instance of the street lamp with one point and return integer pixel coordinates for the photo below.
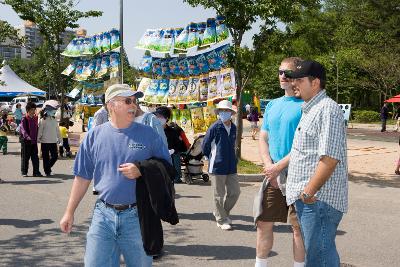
(121, 36)
(337, 77)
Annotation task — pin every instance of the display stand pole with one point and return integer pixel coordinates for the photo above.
(121, 31)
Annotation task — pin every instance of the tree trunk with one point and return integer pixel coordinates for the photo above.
(239, 121)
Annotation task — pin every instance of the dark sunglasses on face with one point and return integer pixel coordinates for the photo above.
(128, 100)
(281, 72)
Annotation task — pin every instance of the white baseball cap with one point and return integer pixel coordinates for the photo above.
(121, 90)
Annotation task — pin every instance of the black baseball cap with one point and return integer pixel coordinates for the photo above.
(163, 111)
(307, 68)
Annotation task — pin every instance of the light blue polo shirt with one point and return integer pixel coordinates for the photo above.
(105, 148)
(281, 117)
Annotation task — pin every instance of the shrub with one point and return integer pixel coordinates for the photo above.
(365, 116)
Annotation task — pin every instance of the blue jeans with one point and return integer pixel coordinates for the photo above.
(113, 233)
(318, 223)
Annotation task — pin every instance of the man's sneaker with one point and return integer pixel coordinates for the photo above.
(224, 226)
(24, 175)
(37, 174)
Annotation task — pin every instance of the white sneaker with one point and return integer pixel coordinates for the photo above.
(224, 226)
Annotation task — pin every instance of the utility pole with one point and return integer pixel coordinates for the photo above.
(121, 36)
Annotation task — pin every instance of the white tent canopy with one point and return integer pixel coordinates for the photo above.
(14, 85)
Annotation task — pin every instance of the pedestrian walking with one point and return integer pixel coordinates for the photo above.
(175, 142)
(219, 147)
(28, 139)
(65, 142)
(280, 120)
(107, 155)
(253, 118)
(18, 114)
(3, 137)
(49, 137)
(384, 116)
(318, 176)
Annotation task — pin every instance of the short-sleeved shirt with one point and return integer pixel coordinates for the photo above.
(105, 148)
(321, 132)
(281, 117)
(63, 132)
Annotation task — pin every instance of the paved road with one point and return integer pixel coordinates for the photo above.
(30, 208)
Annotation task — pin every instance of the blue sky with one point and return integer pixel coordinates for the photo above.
(138, 16)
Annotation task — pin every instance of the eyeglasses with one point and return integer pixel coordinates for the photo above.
(281, 72)
(128, 100)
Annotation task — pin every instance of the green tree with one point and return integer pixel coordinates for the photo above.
(52, 17)
(240, 16)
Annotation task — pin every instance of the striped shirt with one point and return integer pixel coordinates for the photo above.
(321, 132)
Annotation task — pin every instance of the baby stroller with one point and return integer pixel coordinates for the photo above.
(192, 164)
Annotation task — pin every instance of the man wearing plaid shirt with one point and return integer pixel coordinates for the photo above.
(317, 175)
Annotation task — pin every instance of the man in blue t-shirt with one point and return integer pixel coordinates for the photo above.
(106, 155)
(280, 121)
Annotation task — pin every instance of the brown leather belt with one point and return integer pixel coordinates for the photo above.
(119, 207)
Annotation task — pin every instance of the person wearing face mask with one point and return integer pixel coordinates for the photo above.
(28, 139)
(219, 147)
(176, 145)
(49, 136)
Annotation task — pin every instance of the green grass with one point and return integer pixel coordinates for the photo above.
(247, 167)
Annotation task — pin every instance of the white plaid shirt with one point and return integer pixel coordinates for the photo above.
(321, 132)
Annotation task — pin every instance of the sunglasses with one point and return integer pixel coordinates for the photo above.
(281, 72)
(128, 100)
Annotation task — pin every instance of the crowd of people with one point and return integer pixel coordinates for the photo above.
(133, 158)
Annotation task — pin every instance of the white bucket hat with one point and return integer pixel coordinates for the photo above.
(224, 104)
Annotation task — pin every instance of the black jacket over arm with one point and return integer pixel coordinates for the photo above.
(155, 201)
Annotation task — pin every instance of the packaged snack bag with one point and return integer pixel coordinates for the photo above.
(183, 67)
(105, 64)
(223, 53)
(203, 89)
(165, 67)
(174, 67)
(210, 34)
(115, 40)
(185, 119)
(155, 40)
(182, 89)
(144, 84)
(213, 85)
(78, 70)
(87, 46)
(201, 28)
(106, 42)
(97, 67)
(202, 64)
(162, 93)
(222, 30)
(156, 65)
(151, 92)
(193, 36)
(88, 69)
(192, 94)
(167, 41)
(175, 116)
(181, 41)
(173, 91)
(97, 46)
(228, 82)
(145, 39)
(145, 64)
(209, 116)
(114, 63)
(197, 120)
(213, 60)
(71, 67)
(193, 69)
(69, 50)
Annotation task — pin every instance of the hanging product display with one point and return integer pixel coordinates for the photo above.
(98, 43)
(180, 40)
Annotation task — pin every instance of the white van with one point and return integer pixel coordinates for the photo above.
(25, 99)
